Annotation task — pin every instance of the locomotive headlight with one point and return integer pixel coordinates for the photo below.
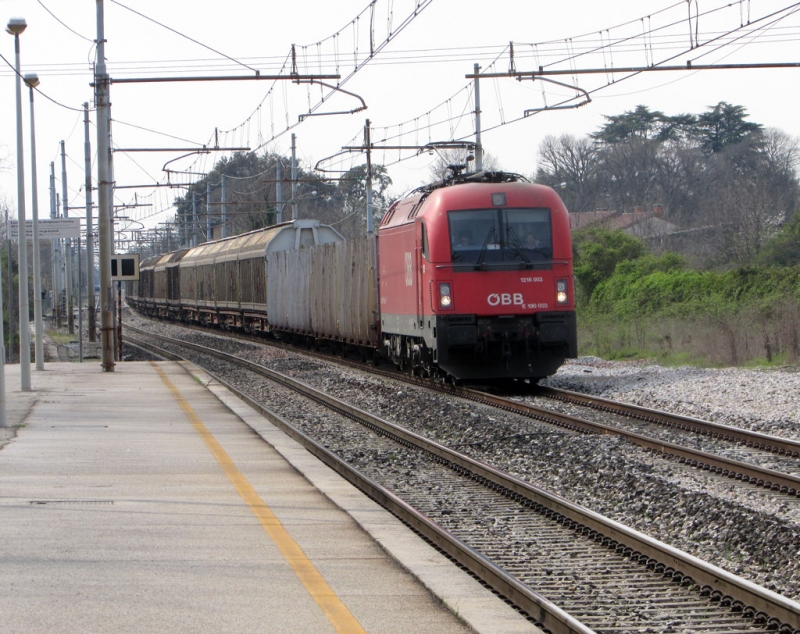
(445, 296)
(562, 292)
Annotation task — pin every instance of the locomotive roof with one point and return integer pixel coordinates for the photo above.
(466, 191)
(472, 177)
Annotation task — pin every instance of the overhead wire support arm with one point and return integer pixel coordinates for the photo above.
(543, 75)
(436, 145)
(201, 150)
(534, 74)
(529, 111)
(363, 105)
(204, 150)
(150, 80)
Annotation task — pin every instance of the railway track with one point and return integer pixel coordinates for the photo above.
(761, 446)
(720, 460)
(569, 569)
(772, 444)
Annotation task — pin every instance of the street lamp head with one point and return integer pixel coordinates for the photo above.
(31, 80)
(16, 26)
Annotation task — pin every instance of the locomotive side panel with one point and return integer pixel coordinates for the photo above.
(400, 290)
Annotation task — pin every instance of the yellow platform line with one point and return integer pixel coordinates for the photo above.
(336, 612)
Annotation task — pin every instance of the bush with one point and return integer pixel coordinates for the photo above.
(655, 307)
(597, 253)
(783, 249)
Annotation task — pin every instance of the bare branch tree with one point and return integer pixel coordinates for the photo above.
(573, 161)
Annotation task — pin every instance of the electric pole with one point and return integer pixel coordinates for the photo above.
(87, 156)
(103, 105)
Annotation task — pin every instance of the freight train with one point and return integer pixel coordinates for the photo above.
(468, 279)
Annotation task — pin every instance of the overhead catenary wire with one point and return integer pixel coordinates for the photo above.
(653, 43)
(62, 23)
(191, 39)
(717, 40)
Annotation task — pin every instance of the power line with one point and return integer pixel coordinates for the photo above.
(61, 22)
(183, 35)
(753, 29)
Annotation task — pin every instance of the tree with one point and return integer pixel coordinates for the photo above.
(729, 181)
(568, 159)
(644, 124)
(252, 196)
(723, 125)
(784, 248)
(679, 177)
(351, 199)
(629, 155)
(753, 191)
(627, 174)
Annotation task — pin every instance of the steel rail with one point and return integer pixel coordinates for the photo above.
(766, 442)
(741, 471)
(541, 610)
(761, 476)
(751, 597)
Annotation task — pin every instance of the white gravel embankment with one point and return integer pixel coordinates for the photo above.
(765, 400)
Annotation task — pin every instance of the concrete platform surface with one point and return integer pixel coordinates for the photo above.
(147, 500)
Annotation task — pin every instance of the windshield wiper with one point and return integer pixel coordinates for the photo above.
(515, 243)
(482, 254)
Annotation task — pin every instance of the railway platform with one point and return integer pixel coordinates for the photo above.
(150, 499)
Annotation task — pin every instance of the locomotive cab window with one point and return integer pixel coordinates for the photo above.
(425, 247)
(500, 236)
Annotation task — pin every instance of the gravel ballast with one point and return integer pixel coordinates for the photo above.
(743, 529)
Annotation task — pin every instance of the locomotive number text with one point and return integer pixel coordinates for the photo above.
(531, 279)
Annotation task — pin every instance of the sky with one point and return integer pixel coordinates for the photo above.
(414, 86)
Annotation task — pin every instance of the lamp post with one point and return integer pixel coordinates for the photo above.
(15, 27)
(31, 81)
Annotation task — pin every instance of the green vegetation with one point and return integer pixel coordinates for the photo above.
(60, 337)
(656, 307)
(253, 202)
(715, 279)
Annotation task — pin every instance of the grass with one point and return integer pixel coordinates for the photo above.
(746, 340)
(61, 337)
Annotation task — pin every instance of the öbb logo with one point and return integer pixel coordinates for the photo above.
(505, 299)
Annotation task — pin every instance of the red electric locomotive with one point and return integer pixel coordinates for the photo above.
(476, 279)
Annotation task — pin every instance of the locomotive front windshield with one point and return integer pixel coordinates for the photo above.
(506, 236)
